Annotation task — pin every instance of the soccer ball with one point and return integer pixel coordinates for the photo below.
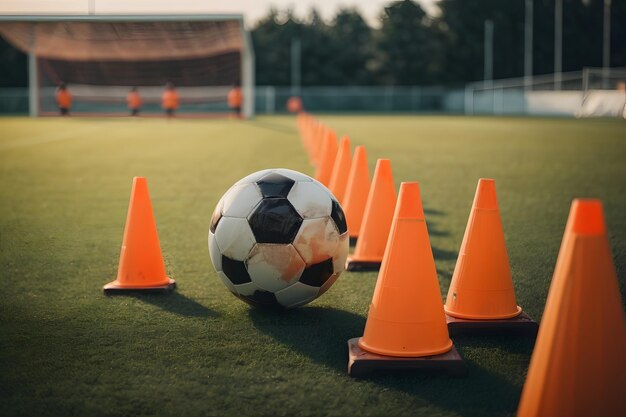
(278, 239)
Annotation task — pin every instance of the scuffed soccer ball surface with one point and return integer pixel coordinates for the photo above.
(278, 239)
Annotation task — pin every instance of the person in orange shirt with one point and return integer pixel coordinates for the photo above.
(170, 101)
(235, 98)
(134, 101)
(64, 99)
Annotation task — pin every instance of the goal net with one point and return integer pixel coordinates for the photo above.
(604, 93)
(100, 58)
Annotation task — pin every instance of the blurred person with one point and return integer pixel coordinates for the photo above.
(64, 99)
(235, 98)
(170, 101)
(134, 101)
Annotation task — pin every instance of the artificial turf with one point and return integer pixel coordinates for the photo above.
(66, 349)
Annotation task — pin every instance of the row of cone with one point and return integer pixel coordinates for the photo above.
(482, 286)
(578, 366)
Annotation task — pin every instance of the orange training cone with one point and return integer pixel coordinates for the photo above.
(141, 265)
(482, 287)
(578, 366)
(357, 189)
(406, 317)
(374, 232)
(328, 155)
(339, 177)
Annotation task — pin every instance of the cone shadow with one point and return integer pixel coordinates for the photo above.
(443, 254)
(318, 332)
(464, 397)
(176, 303)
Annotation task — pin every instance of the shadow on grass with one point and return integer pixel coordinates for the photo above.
(433, 212)
(321, 333)
(176, 303)
(480, 391)
(443, 254)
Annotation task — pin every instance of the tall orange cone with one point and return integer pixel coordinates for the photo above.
(341, 169)
(482, 286)
(357, 189)
(327, 160)
(374, 231)
(406, 319)
(578, 366)
(141, 265)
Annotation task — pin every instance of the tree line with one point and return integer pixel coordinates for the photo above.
(412, 48)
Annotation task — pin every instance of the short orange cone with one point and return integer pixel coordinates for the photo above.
(341, 169)
(406, 319)
(374, 231)
(578, 366)
(327, 160)
(141, 265)
(357, 189)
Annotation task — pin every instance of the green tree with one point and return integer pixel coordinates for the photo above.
(408, 47)
(353, 49)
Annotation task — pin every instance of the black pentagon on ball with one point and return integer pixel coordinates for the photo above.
(263, 299)
(275, 185)
(235, 271)
(339, 217)
(274, 220)
(317, 274)
(217, 216)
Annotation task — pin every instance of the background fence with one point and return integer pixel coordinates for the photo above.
(591, 92)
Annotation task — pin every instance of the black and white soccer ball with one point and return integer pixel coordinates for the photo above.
(278, 239)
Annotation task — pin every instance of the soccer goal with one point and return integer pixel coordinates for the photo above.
(101, 57)
(604, 93)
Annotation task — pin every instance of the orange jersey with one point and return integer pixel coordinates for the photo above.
(134, 100)
(235, 98)
(64, 99)
(170, 100)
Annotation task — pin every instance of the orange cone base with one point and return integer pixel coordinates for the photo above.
(473, 317)
(361, 362)
(521, 324)
(362, 266)
(114, 288)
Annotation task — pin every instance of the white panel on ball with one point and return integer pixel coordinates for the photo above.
(294, 175)
(317, 240)
(246, 289)
(310, 199)
(234, 238)
(274, 267)
(215, 253)
(297, 294)
(254, 177)
(240, 200)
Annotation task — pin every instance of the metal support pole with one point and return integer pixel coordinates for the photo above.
(528, 46)
(488, 48)
(558, 43)
(606, 44)
(295, 66)
(33, 85)
(247, 75)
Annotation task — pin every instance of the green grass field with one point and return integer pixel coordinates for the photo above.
(66, 349)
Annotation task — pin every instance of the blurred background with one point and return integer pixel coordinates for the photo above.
(451, 56)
